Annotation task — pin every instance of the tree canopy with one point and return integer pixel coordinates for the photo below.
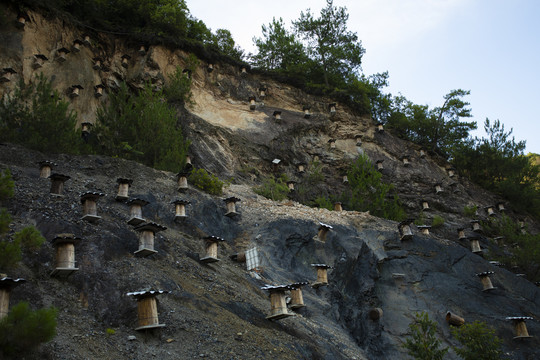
(498, 163)
(329, 42)
(278, 49)
(438, 129)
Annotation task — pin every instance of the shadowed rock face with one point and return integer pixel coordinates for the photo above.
(218, 311)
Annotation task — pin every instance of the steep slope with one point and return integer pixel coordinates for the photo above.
(218, 311)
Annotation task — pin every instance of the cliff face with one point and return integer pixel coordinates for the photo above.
(217, 310)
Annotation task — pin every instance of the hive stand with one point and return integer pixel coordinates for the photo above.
(262, 92)
(77, 45)
(337, 206)
(182, 181)
(147, 309)
(406, 160)
(135, 211)
(231, 206)
(252, 104)
(57, 184)
(332, 108)
(520, 327)
(306, 109)
(186, 73)
(180, 208)
(486, 281)
(290, 185)
(475, 225)
(123, 189)
(275, 164)
(89, 200)
(211, 249)
(22, 19)
(475, 245)
(453, 319)
(6, 285)
(521, 223)
(297, 298)
(278, 302)
(61, 54)
(65, 254)
(97, 63)
(85, 130)
(75, 90)
(425, 205)
(424, 229)
(322, 275)
(323, 231)
(375, 314)
(39, 60)
(404, 228)
(277, 116)
(45, 168)
(188, 165)
(7, 74)
(380, 128)
(86, 40)
(98, 90)
(147, 233)
(490, 210)
(125, 61)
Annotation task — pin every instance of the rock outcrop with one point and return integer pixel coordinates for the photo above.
(217, 310)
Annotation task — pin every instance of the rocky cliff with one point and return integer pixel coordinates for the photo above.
(218, 310)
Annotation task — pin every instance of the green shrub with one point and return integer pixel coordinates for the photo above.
(324, 203)
(23, 329)
(437, 221)
(141, 127)
(273, 188)
(479, 342)
(36, 116)
(5, 220)
(10, 254)
(179, 88)
(209, 183)
(7, 185)
(524, 247)
(369, 193)
(110, 331)
(312, 184)
(470, 211)
(420, 219)
(30, 238)
(422, 343)
(314, 173)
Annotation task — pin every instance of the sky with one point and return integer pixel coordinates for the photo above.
(428, 47)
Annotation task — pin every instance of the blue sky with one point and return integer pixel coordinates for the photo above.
(429, 47)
